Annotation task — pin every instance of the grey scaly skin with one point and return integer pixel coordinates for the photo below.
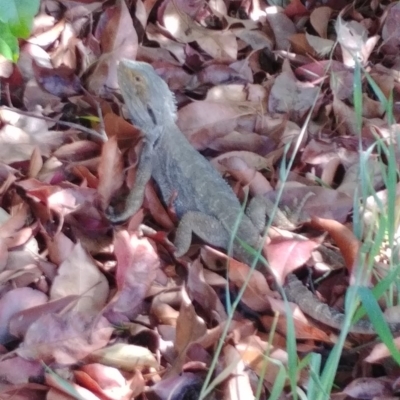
(203, 202)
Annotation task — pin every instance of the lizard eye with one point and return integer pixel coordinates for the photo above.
(151, 114)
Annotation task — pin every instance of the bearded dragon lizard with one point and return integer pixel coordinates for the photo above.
(203, 202)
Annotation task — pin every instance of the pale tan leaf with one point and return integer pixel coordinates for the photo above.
(319, 19)
(125, 356)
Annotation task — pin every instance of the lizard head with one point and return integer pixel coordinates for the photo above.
(149, 101)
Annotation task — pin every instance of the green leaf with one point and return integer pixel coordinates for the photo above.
(18, 15)
(8, 43)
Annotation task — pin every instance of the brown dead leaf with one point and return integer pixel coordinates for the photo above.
(82, 172)
(189, 326)
(321, 47)
(137, 263)
(319, 19)
(243, 141)
(368, 388)
(238, 384)
(164, 313)
(20, 135)
(237, 167)
(290, 96)
(126, 134)
(202, 122)
(21, 321)
(286, 255)
(296, 8)
(283, 28)
(17, 370)
(65, 53)
(257, 290)
(79, 275)
(65, 338)
(304, 330)
(391, 29)
(118, 39)
(58, 391)
(175, 76)
(203, 294)
(252, 351)
(301, 45)
(220, 45)
(110, 171)
(181, 385)
(14, 301)
(251, 159)
(345, 117)
(36, 163)
(157, 209)
(81, 150)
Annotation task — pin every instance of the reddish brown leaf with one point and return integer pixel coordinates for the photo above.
(110, 172)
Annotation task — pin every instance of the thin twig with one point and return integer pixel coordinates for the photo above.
(89, 131)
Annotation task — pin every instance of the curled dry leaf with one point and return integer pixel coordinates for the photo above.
(344, 238)
(128, 357)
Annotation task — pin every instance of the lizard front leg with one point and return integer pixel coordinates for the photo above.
(135, 198)
(204, 226)
(260, 206)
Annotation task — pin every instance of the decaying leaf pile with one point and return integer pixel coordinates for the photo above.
(105, 312)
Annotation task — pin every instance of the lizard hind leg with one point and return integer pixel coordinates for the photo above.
(204, 226)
